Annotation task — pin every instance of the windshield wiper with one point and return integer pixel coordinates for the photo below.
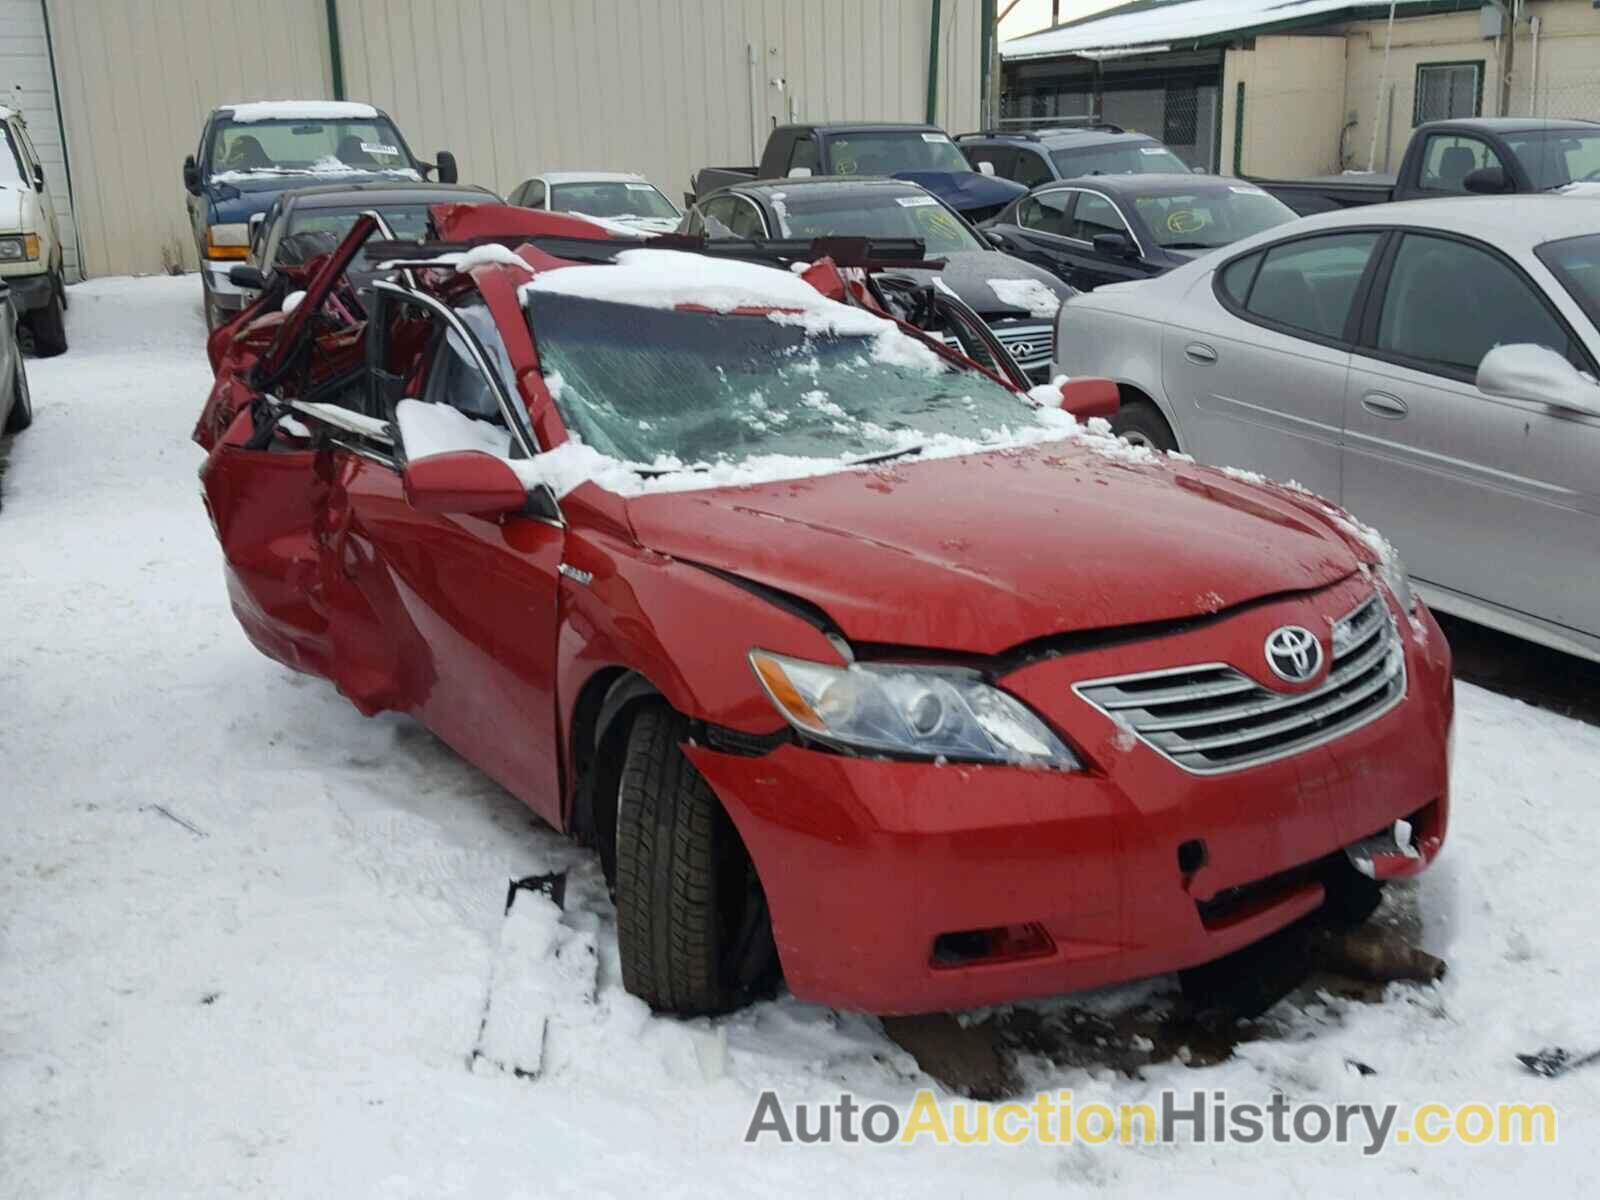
(1194, 245)
(886, 455)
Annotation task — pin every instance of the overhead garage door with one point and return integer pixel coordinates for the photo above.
(28, 87)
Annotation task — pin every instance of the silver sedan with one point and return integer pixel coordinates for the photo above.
(1431, 366)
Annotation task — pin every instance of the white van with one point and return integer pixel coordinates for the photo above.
(30, 244)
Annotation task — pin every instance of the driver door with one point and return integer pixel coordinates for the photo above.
(467, 603)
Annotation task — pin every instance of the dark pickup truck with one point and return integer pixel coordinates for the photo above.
(923, 154)
(1482, 155)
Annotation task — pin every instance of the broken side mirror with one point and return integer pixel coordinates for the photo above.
(464, 482)
(191, 175)
(1115, 245)
(445, 167)
(1090, 397)
(1537, 374)
(995, 238)
(38, 178)
(986, 168)
(1486, 181)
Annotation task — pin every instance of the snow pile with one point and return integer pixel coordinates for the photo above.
(1031, 294)
(490, 254)
(300, 110)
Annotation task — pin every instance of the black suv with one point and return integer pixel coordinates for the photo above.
(1068, 152)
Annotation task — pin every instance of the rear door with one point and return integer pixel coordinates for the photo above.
(1256, 358)
(1494, 498)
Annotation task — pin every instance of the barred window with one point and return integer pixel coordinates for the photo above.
(1448, 90)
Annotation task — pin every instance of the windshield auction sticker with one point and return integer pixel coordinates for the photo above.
(1199, 1117)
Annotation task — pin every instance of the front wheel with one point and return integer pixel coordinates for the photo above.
(21, 415)
(1142, 424)
(692, 921)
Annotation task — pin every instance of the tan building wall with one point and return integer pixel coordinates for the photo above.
(1567, 82)
(510, 86)
(662, 87)
(1294, 91)
(137, 78)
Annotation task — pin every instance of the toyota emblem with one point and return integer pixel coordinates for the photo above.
(1294, 653)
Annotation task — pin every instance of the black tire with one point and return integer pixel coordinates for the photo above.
(49, 325)
(692, 921)
(1141, 423)
(21, 402)
(61, 287)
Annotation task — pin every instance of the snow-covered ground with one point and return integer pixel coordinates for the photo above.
(271, 983)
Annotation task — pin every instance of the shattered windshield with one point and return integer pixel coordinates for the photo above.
(611, 200)
(322, 147)
(641, 384)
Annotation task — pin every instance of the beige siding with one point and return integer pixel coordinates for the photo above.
(137, 79)
(1294, 106)
(662, 87)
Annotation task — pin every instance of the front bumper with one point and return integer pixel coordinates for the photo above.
(868, 863)
(225, 294)
(30, 292)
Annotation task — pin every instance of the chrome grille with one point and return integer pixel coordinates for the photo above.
(1028, 343)
(1212, 717)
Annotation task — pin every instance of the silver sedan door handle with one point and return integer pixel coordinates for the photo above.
(1382, 404)
(1199, 352)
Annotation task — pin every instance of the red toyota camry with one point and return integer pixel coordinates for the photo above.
(854, 661)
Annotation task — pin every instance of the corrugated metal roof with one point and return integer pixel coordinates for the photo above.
(1157, 25)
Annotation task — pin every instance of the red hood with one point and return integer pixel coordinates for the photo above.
(981, 553)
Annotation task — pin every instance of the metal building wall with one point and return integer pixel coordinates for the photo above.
(511, 86)
(137, 78)
(662, 87)
(27, 87)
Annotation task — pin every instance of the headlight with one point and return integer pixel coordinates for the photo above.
(19, 249)
(921, 711)
(227, 241)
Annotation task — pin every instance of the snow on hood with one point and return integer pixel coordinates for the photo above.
(982, 554)
(1029, 294)
(299, 110)
(971, 275)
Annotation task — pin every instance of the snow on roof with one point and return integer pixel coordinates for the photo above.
(670, 278)
(299, 110)
(555, 177)
(1151, 27)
